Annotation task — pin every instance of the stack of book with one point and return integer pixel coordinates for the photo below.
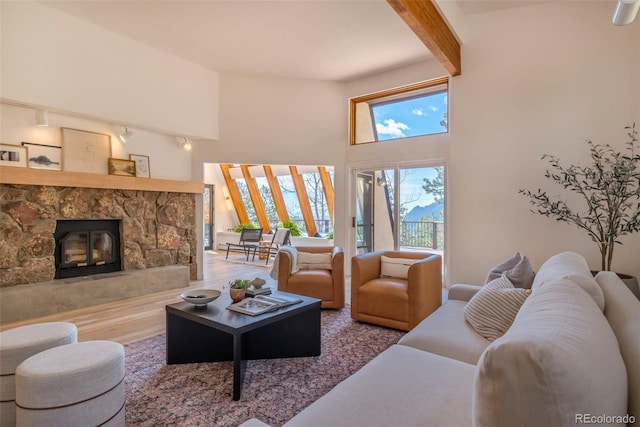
(263, 304)
(252, 292)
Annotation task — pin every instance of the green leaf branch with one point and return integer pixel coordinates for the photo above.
(609, 188)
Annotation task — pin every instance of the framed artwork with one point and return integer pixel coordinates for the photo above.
(13, 155)
(43, 156)
(85, 151)
(122, 167)
(142, 165)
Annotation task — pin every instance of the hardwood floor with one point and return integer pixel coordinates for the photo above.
(136, 318)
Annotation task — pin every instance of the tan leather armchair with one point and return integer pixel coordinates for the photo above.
(326, 285)
(393, 302)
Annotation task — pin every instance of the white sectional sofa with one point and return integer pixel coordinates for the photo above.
(562, 362)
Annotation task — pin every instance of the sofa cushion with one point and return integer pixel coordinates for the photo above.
(402, 386)
(395, 267)
(517, 268)
(445, 332)
(623, 313)
(572, 266)
(491, 311)
(558, 360)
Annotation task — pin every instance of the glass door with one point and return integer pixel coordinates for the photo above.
(400, 208)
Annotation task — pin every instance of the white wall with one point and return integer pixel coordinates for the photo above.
(535, 80)
(267, 120)
(52, 59)
(166, 159)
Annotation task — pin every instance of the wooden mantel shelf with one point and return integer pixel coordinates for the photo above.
(26, 176)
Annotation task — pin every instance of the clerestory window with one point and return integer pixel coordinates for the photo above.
(408, 111)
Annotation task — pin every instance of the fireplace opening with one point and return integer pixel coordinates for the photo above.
(85, 247)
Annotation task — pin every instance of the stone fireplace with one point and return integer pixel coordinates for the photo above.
(152, 232)
(158, 228)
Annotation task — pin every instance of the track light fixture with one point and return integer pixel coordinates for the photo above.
(42, 118)
(185, 144)
(625, 11)
(125, 135)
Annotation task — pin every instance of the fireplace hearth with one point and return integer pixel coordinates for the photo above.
(86, 247)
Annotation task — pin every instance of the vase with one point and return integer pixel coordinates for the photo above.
(257, 283)
(237, 295)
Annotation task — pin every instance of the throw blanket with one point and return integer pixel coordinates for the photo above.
(291, 250)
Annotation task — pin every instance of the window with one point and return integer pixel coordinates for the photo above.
(274, 194)
(414, 110)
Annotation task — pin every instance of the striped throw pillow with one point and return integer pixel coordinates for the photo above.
(492, 310)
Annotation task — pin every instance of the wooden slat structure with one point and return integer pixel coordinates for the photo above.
(327, 187)
(424, 18)
(234, 193)
(276, 193)
(256, 199)
(305, 207)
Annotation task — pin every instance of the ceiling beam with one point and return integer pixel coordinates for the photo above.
(424, 18)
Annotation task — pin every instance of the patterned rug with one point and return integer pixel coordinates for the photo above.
(199, 394)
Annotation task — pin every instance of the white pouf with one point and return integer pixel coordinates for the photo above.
(17, 345)
(78, 384)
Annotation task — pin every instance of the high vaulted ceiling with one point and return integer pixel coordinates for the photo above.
(335, 40)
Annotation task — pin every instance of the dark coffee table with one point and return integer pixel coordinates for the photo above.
(214, 333)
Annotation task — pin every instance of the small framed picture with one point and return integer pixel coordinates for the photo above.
(13, 155)
(122, 167)
(142, 165)
(43, 156)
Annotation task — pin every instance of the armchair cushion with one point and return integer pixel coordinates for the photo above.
(395, 267)
(314, 261)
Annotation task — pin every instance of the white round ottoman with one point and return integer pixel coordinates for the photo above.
(79, 384)
(20, 343)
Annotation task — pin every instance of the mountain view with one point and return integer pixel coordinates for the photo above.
(434, 211)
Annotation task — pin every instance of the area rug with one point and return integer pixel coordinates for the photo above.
(238, 258)
(199, 394)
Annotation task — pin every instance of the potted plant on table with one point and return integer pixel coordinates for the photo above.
(610, 188)
(238, 288)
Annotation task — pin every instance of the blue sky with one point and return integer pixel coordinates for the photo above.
(412, 117)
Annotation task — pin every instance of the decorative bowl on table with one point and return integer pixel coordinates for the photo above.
(200, 297)
(258, 282)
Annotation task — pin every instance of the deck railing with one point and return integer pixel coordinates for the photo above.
(416, 234)
(422, 234)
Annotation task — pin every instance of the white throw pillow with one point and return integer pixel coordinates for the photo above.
(518, 270)
(314, 261)
(493, 308)
(396, 267)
